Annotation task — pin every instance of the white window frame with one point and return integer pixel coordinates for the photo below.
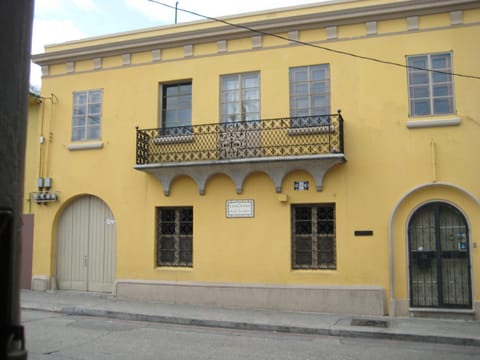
(309, 115)
(430, 85)
(87, 115)
(240, 97)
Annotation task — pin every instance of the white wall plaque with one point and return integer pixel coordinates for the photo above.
(240, 208)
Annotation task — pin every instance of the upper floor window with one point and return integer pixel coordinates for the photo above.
(87, 115)
(430, 84)
(313, 236)
(240, 96)
(309, 95)
(176, 108)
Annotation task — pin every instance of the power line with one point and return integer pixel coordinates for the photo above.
(346, 53)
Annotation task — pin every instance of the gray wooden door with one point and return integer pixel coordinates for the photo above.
(439, 256)
(86, 246)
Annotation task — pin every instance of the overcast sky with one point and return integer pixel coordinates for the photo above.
(63, 20)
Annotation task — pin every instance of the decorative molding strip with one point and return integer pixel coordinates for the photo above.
(188, 34)
(85, 146)
(456, 17)
(97, 63)
(293, 35)
(257, 42)
(371, 28)
(222, 46)
(421, 124)
(70, 67)
(156, 55)
(331, 32)
(412, 23)
(188, 51)
(45, 70)
(126, 59)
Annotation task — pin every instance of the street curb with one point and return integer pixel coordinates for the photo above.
(238, 325)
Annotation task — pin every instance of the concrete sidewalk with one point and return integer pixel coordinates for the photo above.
(456, 332)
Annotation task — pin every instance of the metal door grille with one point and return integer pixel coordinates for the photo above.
(439, 256)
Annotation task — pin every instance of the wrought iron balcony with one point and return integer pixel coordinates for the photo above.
(168, 152)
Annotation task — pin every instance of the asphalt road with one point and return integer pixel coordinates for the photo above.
(58, 336)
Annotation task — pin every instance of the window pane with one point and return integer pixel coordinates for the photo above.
(301, 89)
(319, 101)
(303, 258)
(93, 121)
(93, 132)
(441, 90)
(78, 133)
(172, 103)
(319, 87)
(320, 73)
(301, 103)
(251, 94)
(250, 80)
(184, 117)
(441, 61)
(418, 62)
(230, 83)
(442, 106)
(167, 257)
(78, 121)
(420, 107)
(300, 74)
(171, 90)
(95, 96)
(80, 98)
(440, 77)
(418, 78)
(420, 92)
(185, 89)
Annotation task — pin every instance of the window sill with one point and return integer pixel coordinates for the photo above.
(173, 139)
(92, 145)
(174, 268)
(324, 129)
(433, 122)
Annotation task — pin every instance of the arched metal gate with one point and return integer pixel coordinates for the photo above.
(439, 258)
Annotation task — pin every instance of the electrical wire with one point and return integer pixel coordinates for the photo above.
(346, 53)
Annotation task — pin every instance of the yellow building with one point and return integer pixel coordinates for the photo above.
(207, 163)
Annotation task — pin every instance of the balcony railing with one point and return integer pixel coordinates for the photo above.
(284, 137)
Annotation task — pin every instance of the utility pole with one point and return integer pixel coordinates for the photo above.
(16, 17)
(176, 10)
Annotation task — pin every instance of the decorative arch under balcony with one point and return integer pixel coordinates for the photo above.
(276, 147)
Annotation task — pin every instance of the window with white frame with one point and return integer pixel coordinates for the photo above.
(87, 115)
(240, 97)
(430, 84)
(310, 95)
(177, 108)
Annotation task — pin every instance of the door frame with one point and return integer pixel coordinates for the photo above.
(469, 256)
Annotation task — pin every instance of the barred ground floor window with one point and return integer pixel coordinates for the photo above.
(313, 236)
(175, 236)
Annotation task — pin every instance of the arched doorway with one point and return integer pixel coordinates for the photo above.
(439, 258)
(86, 246)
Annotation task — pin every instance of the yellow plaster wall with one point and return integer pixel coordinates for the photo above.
(385, 160)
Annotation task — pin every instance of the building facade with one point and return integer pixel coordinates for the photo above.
(208, 162)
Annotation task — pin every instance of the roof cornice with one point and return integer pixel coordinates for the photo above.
(311, 20)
